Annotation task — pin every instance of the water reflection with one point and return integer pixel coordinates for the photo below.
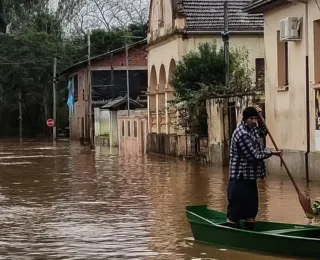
(64, 201)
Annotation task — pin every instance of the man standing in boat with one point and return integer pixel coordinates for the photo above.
(246, 166)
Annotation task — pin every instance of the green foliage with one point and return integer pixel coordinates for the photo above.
(201, 74)
(203, 66)
(104, 41)
(138, 30)
(26, 63)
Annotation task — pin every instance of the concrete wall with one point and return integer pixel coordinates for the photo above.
(171, 145)
(96, 112)
(218, 124)
(102, 126)
(105, 123)
(178, 146)
(286, 105)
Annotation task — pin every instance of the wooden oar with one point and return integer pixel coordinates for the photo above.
(304, 201)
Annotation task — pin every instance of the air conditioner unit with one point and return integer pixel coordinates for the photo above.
(290, 29)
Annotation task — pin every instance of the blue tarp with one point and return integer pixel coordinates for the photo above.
(70, 101)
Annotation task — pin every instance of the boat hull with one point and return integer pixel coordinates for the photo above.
(269, 237)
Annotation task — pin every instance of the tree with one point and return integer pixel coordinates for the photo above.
(103, 41)
(14, 13)
(201, 74)
(31, 36)
(66, 10)
(101, 14)
(26, 65)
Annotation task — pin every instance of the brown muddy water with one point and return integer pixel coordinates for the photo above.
(64, 201)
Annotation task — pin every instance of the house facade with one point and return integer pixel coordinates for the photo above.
(132, 132)
(107, 116)
(292, 82)
(176, 28)
(108, 82)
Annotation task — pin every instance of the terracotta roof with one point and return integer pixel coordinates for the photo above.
(208, 15)
(259, 6)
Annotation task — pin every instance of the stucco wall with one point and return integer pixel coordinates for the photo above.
(96, 121)
(79, 107)
(286, 110)
(164, 54)
(104, 122)
(218, 123)
(254, 44)
(314, 14)
(175, 48)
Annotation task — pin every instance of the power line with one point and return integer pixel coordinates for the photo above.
(33, 62)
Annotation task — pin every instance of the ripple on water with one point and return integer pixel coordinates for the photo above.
(67, 202)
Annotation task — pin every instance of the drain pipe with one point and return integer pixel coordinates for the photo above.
(307, 91)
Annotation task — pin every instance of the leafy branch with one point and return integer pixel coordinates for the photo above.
(201, 75)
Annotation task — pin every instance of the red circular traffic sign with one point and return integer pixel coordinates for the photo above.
(50, 122)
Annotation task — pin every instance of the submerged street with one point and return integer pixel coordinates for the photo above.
(65, 201)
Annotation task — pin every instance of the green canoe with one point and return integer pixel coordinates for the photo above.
(209, 226)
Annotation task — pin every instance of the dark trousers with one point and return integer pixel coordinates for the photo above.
(243, 199)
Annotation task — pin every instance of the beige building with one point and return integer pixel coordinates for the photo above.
(292, 48)
(176, 28)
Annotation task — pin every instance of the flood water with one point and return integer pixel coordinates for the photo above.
(64, 201)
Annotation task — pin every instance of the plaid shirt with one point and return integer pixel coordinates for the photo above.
(247, 153)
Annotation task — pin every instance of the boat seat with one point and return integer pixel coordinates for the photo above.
(287, 230)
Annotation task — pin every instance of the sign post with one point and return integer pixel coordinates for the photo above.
(54, 131)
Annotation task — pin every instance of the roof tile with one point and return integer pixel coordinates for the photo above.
(208, 15)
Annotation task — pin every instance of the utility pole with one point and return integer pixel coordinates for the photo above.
(90, 92)
(225, 38)
(54, 129)
(128, 88)
(20, 115)
(127, 65)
